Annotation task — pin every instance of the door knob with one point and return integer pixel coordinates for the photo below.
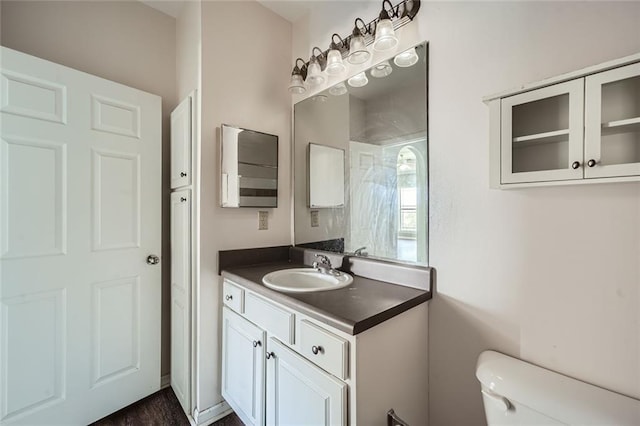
(270, 355)
(575, 165)
(591, 162)
(152, 259)
(256, 343)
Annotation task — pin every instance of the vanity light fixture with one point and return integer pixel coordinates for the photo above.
(385, 34)
(358, 53)
(338, 89)
(380, 31)
(358, 80)
(315, 68)
(298, 75)
(383, 69)
(335, 66)
(406, 58)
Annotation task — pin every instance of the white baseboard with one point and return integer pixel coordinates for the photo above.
(165, 381)
(211, 414)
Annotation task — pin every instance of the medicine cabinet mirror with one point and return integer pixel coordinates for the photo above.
(326, 176)
(249, 168)
(372, 169)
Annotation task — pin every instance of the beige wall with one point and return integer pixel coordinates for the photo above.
(126, 42)
(246, 51)
(550, 275)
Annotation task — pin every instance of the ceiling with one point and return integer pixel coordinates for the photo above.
(168, 7)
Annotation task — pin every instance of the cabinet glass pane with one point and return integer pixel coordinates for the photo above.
(546, 115)
(620, 137)
(540, 155)
(540, 135)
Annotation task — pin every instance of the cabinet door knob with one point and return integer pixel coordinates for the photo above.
(256, 343)
(270, 355)
(575, 165)
(228, 297)
(183, 199)
(591, 162)
(183, 174)
(316, 349)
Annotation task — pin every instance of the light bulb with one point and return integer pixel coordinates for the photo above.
(335, 66)
(297, 84)
(406, 58)
(358, 80)
(383, 69)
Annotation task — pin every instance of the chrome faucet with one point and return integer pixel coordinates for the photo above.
(360, 252)
(324, 265)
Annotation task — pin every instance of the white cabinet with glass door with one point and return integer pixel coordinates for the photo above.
(581, 127)
(612, 123)
(542, 134)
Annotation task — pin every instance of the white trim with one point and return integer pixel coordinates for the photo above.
(619, 179)
(566, 77)
(165, 381)
(211, 414)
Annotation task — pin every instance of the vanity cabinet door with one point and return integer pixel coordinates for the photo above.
(612, 123)
(299, 393)
(181, 119)
(542, 134)
(243, 359)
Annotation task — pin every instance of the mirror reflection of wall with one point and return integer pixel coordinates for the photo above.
(382, 128)
(249, 168)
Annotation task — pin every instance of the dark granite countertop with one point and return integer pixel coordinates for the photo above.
(353, 309)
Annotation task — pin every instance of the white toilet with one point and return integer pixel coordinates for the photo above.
(515, 392)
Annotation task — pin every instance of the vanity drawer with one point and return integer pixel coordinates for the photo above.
(232, 296)
(332, 351)
(272, 318)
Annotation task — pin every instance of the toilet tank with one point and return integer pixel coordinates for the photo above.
(515, 392)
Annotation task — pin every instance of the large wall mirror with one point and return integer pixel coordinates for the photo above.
(381, 128)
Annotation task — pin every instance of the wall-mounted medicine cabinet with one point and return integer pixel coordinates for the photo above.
(326, 176)
(249, 168)
(582, 127)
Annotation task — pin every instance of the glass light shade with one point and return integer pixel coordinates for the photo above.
(338, 89)
(358, 53)
(297, 84)
(314, 74)
(406, 58)
(335, 66)
(385, 35)
(383, 69)
(358, 80)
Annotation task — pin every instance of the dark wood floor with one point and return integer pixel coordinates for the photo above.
(161, 408)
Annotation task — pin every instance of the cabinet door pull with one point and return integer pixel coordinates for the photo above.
(316, 349)
(228, 297)
(270, 355)
(256, 343)
(591, 162)
(183, 199)
(183, 174)
(575, 165)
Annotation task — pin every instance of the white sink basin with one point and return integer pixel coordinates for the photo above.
(302, 280)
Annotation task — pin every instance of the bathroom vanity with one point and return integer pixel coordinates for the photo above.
(336, 357)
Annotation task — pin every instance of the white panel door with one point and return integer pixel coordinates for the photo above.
(181, 297)
(80, 213)
(181, 143)
(301, 394)
(243, 358)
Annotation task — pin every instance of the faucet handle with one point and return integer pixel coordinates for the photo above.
(323, 259)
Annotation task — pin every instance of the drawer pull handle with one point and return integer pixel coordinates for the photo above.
(228, 297)
(256, 343)
(270, 355)
(316, 349)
